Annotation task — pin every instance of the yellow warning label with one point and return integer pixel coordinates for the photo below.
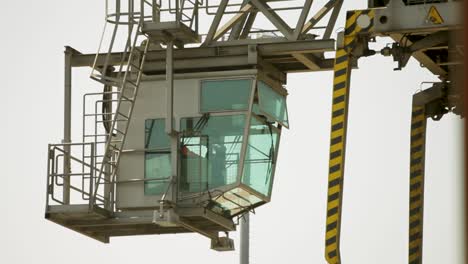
(434, 16)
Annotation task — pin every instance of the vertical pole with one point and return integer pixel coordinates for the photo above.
(245, 239)
(169, 87)
(108, 202)
(131, 16)
(177, 11)
(67, 125)
(170, 114)
(156, 11)
(339, 123)
(416, 195)
(337, 155)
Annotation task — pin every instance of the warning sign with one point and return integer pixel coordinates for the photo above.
(434, 16)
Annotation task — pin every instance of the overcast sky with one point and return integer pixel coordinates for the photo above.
(290, 228)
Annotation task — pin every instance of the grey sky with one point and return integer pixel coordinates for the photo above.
(289, 229)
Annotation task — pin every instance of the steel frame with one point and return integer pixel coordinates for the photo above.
(226, 48)
(404, 24)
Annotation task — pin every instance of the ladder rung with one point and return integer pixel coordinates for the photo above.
(117, 120)
(98, 142)
(95, 156)
(115, 150)
(99, 114)
(113, 164)
(127, 99)
(124, 116)
(132, 83)
(118, 131)
(109, 81)
(138, 48)
(98, 135)
(130, 88)
(137, 66)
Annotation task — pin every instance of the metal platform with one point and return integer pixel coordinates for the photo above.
(100, 225)
(166, 31)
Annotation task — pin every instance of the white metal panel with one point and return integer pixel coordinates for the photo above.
(151, 104)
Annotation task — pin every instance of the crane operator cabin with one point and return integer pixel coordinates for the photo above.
(185, 132)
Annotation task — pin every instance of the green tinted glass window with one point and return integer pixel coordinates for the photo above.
(157, 166)
(272, 104)
(157, 157)
(210, 150)
(260, 156)
(155, 136)
(225, 95)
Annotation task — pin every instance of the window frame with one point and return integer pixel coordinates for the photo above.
(273, 172)
(166, 150)
(232, 185)
(200, 97)
(267, 114)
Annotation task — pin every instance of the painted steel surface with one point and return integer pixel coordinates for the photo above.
(416, 195)
(342, 71)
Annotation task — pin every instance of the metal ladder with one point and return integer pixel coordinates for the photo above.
(127, 90)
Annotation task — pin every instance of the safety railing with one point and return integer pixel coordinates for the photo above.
(98, 113)
(72, 177)
(71, 174)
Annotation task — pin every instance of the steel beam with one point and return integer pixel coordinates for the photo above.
(274, 18)
(169, 87)
(67, 124)
(319, 15)
(308, 60)
(272, 48)
(430, 41)
(302, 19)
(237, 28)
(400, 18)
(248, 25)
(332, 20)
(215, 23)
(244, 252)
(236, 19)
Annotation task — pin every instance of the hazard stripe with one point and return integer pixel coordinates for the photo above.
(337, 145)
(416, 193)
(352, 29)
(341, 75)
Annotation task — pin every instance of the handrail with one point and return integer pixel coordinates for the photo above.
(55, 152)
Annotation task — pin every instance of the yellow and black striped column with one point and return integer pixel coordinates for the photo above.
(416, 199)
(342, 71)
(337, 150)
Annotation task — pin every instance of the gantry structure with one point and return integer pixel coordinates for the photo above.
(430, 32)
(159, 42)
(93, 186)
